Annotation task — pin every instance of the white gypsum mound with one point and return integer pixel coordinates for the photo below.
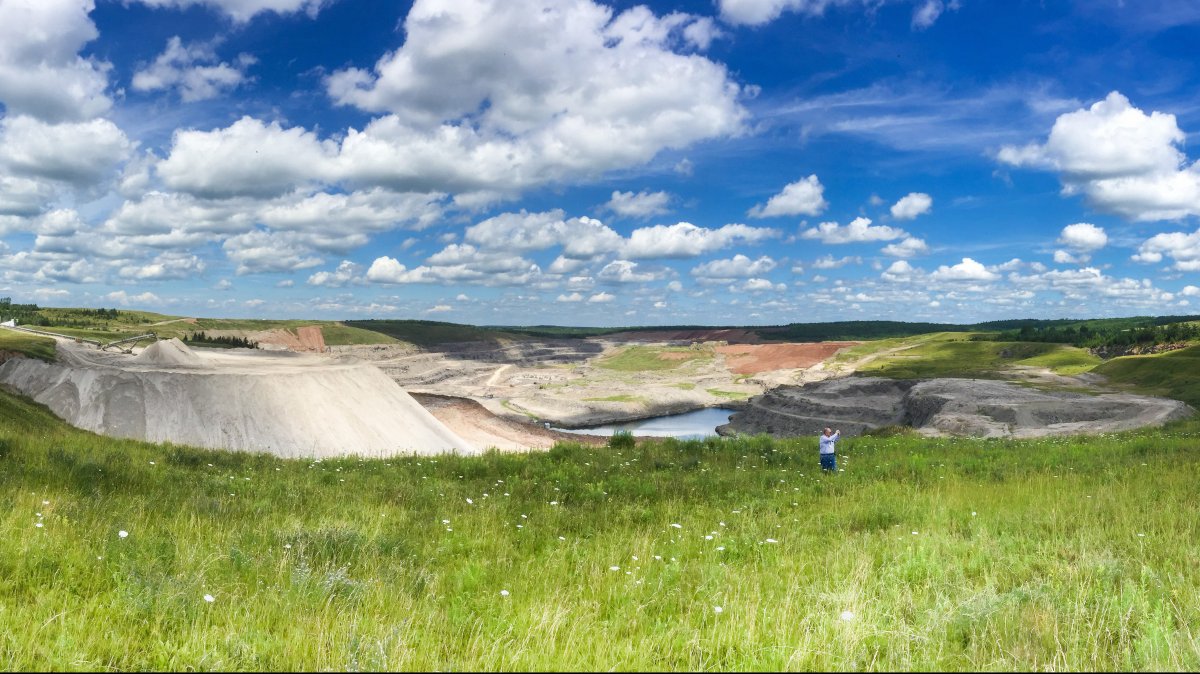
(287, 404)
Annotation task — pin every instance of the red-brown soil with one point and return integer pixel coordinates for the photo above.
(754, 358)
(307, 338)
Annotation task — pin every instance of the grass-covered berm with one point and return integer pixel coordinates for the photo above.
(1064, 554)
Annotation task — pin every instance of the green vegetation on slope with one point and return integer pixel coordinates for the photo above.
(698, 555)
(33, 346)
(430, 333)
(1118, 332)
(1175, 374)
(1064, 360)
(955, 355)
(652, 358)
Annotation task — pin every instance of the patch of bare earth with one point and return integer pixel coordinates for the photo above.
(755, 358)
(475, 424)
(307, 339)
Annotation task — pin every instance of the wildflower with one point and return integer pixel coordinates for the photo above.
(209, 598)
(717, 609)
(614, 568)
(45, 503)
(123, 534)
(151, 463)
(914, 533)
(562, 538)
(847, 615)
(445, 521)
(772, 540)
(287, 546)
(503, 593)
(39, 525)
(720, 548)
(658, 557)
(677, 526)
(470, 502)
(972, 513)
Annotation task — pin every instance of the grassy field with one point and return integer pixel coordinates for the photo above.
(957, 355)
(24, 343)
(1073, 553)
(130, 323)
(652, 358)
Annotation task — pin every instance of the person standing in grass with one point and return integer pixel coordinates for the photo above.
(828, 452)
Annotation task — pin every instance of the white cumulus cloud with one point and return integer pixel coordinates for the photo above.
(640, 205)
(911, 205)
(967, 270)
(803, 197)
(859, 230)
(193, 70)
(41, 72)
(909, 247)
(1181, 247)
(1121, 159)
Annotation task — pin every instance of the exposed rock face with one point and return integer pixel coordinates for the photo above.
(974, 407)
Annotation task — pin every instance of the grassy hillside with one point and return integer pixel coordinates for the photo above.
(958, 355)
(26, 344)
(1175, 374)
(430, 333)
(714, 555)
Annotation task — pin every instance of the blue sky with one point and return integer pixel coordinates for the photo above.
(576, 162)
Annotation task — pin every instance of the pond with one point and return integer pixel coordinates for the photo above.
(693, 425)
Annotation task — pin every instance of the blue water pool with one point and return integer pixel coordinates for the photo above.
(687, 426)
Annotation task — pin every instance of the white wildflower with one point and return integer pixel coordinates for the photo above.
(123, 534)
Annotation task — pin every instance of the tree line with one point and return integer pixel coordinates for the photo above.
(1086, 336)
(223, 340)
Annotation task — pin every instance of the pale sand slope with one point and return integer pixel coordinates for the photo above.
(287, 404)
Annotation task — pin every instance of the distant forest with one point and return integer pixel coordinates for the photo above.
(32, 314)
(1092, 336)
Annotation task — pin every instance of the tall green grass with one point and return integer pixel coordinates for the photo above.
(1066, 554)
(1074, 553)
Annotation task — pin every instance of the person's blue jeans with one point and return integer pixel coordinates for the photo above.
(829, 462)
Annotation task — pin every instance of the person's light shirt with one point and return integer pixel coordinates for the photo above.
(827, 442)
